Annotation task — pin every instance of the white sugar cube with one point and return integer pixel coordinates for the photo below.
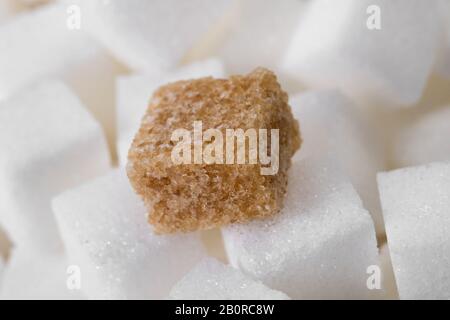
(331, 125)
(152, 35)
(341, 43)
(34, 275)
(416, 209)
(259, 32)
(134, 93)
(319, 246)
(49, 142)
(212, 280)
(39, 44)
(105, 232)
(425, 140)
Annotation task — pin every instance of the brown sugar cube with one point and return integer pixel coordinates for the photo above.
(192, 165)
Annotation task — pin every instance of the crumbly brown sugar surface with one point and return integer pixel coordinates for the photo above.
(188, 197)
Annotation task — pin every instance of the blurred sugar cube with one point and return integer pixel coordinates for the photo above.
(31, 275)
(151, 35)
(212, 280)
(94, 82)
(341, 43)
(443, 63)
(39, 44)
(7, 10)
(416, 204)
(332, 126)
(105, 232)
(134, 93)
(425, 140)
(49, 142)
(259, 32)
(319, 246)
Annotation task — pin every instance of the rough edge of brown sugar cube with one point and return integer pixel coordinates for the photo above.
(189, 197)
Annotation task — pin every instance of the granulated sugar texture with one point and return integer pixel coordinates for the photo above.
(213, 182)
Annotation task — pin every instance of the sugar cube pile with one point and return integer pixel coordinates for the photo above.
(151, 35)
(44, 43)
(106, 234)
(92, 91)
(320, 245)
(416, 209)
(212, 280)
(39, 44)
(346, 44)
(49, 143)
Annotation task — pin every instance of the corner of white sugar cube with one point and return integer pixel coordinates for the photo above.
(212, 280)
(134, 93)
(416, 204)
(331, 125)
(32, 275)
(318, 247)
(49, 142)
(425, 140)
(105, 232)
(373, 50)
